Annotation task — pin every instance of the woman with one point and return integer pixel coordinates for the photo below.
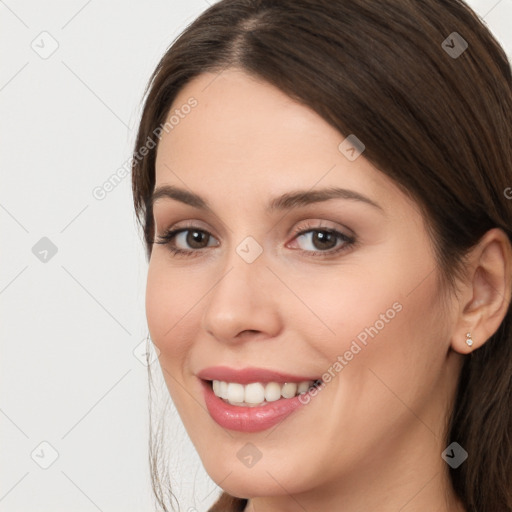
(324, 189)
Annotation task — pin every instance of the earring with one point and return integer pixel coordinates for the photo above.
(469, 341)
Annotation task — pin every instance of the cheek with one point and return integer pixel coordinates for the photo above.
(349, 304)
(387, 296)
(158, 304)
(171, 323)
(381, 317)
(169, 303)
(390, 354)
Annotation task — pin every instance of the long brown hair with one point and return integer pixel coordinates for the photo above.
(435, 116)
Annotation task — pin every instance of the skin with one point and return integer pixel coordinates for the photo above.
(372, 438)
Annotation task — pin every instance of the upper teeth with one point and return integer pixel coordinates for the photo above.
(258, 393)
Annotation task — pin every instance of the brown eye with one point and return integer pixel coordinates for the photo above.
(321, 240)
(196, 239)
(324, 240)
(186, 240)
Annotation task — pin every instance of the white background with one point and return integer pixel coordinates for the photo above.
(69, 326)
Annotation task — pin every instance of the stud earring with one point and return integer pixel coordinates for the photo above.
(469, 341)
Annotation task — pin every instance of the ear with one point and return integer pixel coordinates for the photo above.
(486, 293)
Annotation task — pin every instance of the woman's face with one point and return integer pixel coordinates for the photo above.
(280, 273)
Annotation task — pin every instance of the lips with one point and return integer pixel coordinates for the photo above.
(250, 374)
(250, 417)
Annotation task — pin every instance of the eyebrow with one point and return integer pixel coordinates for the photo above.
(287, 201)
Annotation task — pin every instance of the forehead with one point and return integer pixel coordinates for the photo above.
(251, 137)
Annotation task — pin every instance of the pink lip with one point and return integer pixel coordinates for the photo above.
(248, 375)
(248, 419)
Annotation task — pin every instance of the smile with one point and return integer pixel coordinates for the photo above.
(258, 393)
(252, 399)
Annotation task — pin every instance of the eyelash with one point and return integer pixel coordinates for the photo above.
(169, 235)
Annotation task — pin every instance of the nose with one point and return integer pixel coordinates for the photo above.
(242, 304)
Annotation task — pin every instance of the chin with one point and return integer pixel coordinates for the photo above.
(260, 480)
